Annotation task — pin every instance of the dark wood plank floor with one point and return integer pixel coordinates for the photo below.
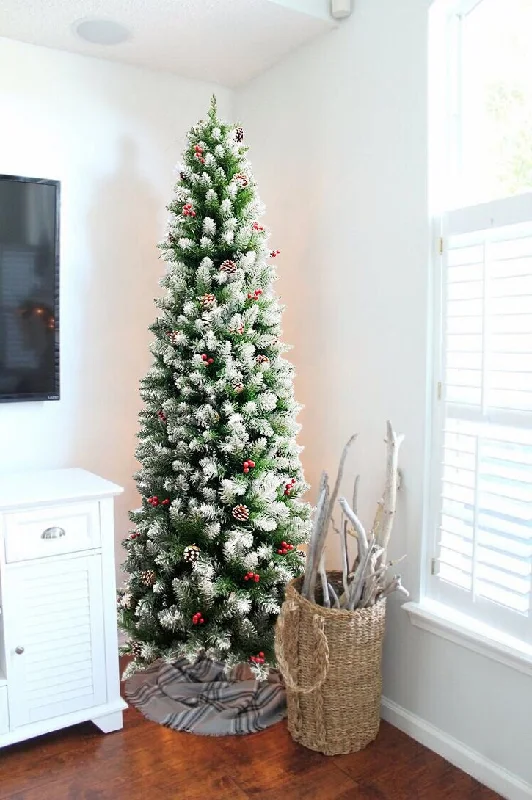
(146, 761)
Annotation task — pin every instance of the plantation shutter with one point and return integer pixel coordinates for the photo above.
(483, 423)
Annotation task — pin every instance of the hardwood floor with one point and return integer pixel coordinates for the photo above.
(146, 761)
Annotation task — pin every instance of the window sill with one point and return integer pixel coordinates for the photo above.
(465, 631)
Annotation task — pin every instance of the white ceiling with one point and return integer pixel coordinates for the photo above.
(225, 41)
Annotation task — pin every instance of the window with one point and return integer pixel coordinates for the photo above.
(481, 473)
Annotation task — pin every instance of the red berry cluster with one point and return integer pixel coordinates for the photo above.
(154, 501)
(206, 358)
(197, 619)
(252, 576)
(257, 227)
(256, 294)
(285, 548)
(257, 659)
(198, 153)
(288, 487)
(274, 253)
(188, 211)
(248, 465)
(134, 535)
(162, 416)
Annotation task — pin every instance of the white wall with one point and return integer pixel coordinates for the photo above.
(112, 134)
(339, 144)
(338, 136)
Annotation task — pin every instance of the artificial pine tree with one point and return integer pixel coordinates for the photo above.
(215, 540)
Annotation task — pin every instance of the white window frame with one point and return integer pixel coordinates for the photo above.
(490, 216)
(445, 137)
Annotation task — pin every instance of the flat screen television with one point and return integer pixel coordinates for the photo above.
(29, 289)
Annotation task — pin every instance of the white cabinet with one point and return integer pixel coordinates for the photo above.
(58, 641)
(4, 719)
(55, 639)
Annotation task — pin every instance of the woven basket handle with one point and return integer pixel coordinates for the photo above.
(322, 651)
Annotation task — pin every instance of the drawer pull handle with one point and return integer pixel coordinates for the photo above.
(53, 533)
(19, 650)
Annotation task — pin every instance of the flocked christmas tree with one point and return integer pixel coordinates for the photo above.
(215, 540)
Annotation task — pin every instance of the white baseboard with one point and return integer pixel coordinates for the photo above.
(487, 772)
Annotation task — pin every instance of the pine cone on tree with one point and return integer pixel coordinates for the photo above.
(239, 134)
(191, 553)
(208, 300)
(241, 513)
(228, 266)
(148, 577)
(135, 648)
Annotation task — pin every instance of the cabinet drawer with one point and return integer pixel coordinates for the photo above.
(51, 530)
(4, 722)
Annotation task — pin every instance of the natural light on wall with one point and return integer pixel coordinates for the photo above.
(481, 472)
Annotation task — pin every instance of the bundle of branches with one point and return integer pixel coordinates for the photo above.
(366, 578)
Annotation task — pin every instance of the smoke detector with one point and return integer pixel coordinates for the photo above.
(102, 31)
(340, 9)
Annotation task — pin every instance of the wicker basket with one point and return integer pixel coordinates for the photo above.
(330, 660)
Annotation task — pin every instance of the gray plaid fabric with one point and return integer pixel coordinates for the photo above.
(199, 698)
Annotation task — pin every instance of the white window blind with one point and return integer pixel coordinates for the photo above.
(482, 470)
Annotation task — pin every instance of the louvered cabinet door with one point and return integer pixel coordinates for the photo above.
(55, 638)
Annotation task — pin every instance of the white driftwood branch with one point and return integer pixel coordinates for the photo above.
(354, 504)
(394, 585)
(311, 562)
(377, 519)
(339, 476)
(389, 497)
(324, 519)
(323, 526)
(334, 596)
(368, 580)
(324, 584)
(345, 556)
(362, 542)
(357, 525)
(360, 577)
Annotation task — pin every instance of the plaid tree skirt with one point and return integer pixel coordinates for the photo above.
(199, 698)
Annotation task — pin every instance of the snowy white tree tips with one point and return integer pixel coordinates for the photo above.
(217, 434)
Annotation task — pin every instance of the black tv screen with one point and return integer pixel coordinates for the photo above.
(29, 289)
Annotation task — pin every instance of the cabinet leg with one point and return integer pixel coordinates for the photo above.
(111, 722)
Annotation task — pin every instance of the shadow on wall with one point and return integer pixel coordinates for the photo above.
(122, 231)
